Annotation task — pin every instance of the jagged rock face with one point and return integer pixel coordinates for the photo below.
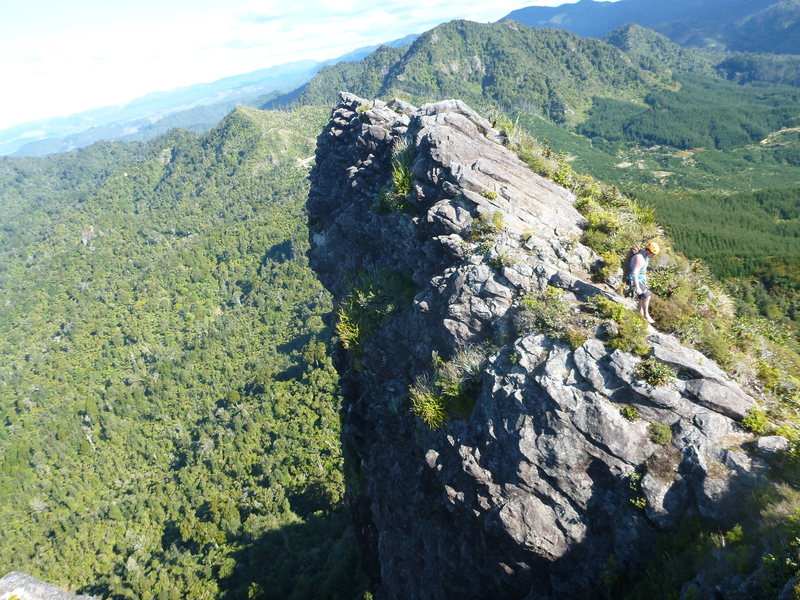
(528, 495)
(25, 587)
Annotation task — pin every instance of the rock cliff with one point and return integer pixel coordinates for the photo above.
(535, 484)
(26, 587)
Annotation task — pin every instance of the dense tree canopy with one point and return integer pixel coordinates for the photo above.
(170, 412)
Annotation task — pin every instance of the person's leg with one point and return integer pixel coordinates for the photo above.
(644, 302)
(646, 309)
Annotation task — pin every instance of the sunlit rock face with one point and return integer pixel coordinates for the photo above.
(25, 587)
(537, 482)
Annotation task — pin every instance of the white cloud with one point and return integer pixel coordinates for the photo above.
(110, 53)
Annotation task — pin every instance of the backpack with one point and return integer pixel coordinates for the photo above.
(626, 271)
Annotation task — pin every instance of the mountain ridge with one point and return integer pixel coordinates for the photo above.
(735, 25)
(475, 61)
(511, 474)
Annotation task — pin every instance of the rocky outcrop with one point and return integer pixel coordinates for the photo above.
(25, 587)
(533, 491)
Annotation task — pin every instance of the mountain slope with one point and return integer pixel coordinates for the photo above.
(170, 414)
(737, 25)
(550, 72)
(367, 74)
(774, 29)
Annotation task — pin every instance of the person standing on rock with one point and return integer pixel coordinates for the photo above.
(638, 278)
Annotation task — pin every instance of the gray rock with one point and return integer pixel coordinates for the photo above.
(26, 587)
(526, 493)
(666, 500)
(771, 444)
(402, 106)
(725, 398)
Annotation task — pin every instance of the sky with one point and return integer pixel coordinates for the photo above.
(64, 57)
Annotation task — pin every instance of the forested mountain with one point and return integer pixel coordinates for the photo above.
(170, 413)
(544, 71)
(672, 126)
(653, 51)
(771, 26)
(170, 410)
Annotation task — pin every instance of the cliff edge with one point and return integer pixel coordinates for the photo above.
(534, 461)
(21, 586)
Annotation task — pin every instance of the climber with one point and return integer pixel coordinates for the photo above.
(638, 278)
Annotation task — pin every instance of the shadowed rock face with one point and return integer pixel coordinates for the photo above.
(527, 495)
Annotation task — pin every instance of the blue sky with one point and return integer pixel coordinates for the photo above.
(63, 57)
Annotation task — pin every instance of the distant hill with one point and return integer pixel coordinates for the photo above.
(196, 108)
(735, 25)
(546, 71)
(653, 51)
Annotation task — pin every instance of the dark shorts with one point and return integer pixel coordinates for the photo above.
(646, 293)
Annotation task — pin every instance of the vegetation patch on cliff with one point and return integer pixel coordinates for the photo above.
(451, 389)
(374, 296)
(394, 195)
(549, 313)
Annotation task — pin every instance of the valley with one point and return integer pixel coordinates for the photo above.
(182, 409)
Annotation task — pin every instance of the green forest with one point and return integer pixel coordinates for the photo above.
(703, 112)
(170, 409)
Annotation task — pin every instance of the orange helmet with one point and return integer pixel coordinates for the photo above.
(653, 247)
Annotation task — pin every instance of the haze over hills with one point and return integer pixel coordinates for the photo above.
(171, 416)
(737, 25)
(142, 114)
(196, 108)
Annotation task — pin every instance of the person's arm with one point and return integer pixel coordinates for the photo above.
(636, 267)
